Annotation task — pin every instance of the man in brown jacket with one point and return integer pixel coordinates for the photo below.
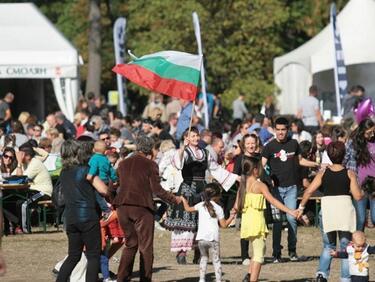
(139, 181)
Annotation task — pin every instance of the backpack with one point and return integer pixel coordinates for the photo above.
(57, 195)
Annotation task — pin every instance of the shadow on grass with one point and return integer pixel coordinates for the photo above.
(268, 260)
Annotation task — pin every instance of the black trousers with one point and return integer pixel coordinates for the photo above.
(86, 234)
(356, 278)
(244, 249)
(228, 199)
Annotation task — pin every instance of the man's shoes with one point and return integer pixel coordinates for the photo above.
(320, 278)
(276, 259)
(246, 278)
(246, 262)
(293, 257)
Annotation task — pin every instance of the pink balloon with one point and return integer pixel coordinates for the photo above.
(364, 110)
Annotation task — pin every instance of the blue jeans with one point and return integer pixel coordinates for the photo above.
(102, 202)
(288, 196)
(104, 264)
(361, 208)
(325, 257)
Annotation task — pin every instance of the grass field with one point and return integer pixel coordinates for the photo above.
(32, 257)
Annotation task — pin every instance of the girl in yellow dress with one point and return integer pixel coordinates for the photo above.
(251, 202)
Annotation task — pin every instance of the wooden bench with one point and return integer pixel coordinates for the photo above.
(47, 207)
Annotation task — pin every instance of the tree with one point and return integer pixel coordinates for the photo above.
(94, 48)
(240, 37)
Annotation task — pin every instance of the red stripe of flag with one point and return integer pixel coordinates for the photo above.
(148, 79)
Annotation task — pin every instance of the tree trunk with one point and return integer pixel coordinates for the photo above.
(95, 60)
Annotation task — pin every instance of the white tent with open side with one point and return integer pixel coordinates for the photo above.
(32, 48)
(313, 62)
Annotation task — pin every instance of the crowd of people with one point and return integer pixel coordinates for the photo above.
(123, 176)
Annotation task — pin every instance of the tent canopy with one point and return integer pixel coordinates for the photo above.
(293, 72)
(31, 47)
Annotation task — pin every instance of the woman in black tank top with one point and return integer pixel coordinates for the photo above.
(337, 184)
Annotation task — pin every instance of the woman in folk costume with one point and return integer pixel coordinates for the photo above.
(193, 163)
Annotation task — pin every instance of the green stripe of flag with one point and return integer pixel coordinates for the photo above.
(166, 69)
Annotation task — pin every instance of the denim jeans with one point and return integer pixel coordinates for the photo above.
(104, 264)
(325, 257)
(361, 208)
(288, 196)
(102, 203)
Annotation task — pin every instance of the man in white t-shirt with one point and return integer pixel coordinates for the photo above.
(309, 112)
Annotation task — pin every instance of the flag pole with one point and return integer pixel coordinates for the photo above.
(191, 117)
(189, 130)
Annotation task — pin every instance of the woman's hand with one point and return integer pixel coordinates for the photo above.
(294, 213)
(299, 213)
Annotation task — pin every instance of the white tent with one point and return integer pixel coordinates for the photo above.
(31, 47)
(293, 72)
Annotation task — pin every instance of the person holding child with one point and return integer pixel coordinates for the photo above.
(339, 185)
(251, 202)
(210, 216)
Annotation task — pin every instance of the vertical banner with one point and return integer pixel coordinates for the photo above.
(341, 82)
(197, 31)
(119, 46)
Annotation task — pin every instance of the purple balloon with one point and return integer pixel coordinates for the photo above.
(364, 110)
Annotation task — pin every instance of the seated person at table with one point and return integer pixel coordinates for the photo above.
(34, 169)
(8, 167)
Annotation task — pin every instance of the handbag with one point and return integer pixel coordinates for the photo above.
(369, 185)
(16, 179)
(57, 195)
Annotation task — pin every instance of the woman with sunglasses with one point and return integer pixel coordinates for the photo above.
(250, 145)
(7, 166)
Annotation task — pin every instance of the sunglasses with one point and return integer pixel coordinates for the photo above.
(8, 157)
(105, 138)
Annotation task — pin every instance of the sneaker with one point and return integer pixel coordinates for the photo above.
(246, 262)
(109, 280)
(293, 257)
(246, 278)
(276, 259)
(320, 278)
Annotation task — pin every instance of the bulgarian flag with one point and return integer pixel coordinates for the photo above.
(172, 73)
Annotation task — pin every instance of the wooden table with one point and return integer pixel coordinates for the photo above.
(18, 191)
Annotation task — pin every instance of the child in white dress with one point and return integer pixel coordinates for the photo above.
(211, 215)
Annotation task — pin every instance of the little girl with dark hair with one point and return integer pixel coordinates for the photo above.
(211, 215)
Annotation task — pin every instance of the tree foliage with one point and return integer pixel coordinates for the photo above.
(240, 37)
